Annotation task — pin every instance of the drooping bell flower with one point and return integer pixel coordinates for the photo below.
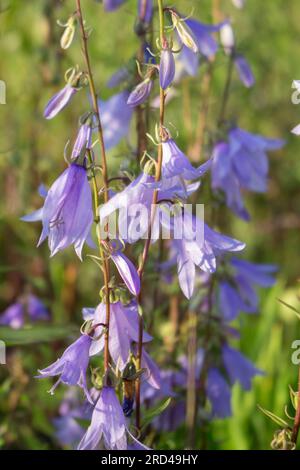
(244, 71)
(111, 5)
(145, 10)
(140, 93)
(203, 34)
(166, 68)
(123, 330)
(72, 365)
(13, 316)
(30, 307)
(241, 163)
(127, 271)
(237, 292)
(36, 309)
(67, 214)
(201, 250)
(175, 163)
(115, 118)
(238, 367)
(137, 196)
(108, 427)
(218, 393)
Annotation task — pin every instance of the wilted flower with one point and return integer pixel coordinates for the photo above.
(185, 33)
(238, 367)
(69, 32)
(140, 93)
(244, 71)
(166, 68)
(123, 330)
(67, 214)
(72, 366)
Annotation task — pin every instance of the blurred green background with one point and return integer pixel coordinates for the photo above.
(31, 151)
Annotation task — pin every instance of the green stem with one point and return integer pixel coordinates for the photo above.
(148, 240)
(96, 109)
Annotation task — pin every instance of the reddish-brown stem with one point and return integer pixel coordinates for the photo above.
(96, 109)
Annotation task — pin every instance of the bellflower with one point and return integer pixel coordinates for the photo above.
(240, 163)
(111, 5)
(203, 34)
(145, 10)
(59, 101)
(72, 366)
(140, 93)
(127, 271)
(13, 316)
(67, 214)
(237, 293)
(175, 163)
(192, 252)
(166, 68)
(244, 71)
(108, 426)
(36, 309)
(218, 393)
(123, 327)
(137, 194)
(238, 367)
(115, 118)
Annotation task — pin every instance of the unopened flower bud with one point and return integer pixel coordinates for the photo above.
(166, 68)
(227, 38)
(140, 93)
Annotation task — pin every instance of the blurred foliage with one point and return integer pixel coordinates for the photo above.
(32, 65)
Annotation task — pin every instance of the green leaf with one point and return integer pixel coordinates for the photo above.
(273, 417)
(294, 398)
(149, 415)
(36, 334)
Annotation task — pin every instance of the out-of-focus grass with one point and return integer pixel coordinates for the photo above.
(31, 151)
